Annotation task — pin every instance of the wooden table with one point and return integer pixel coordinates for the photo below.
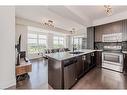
(22, 70)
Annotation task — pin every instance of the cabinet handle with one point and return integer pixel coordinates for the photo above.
(92, 54)
(124, 56)
(84, 57)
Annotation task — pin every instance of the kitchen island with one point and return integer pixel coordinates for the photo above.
(66, 68)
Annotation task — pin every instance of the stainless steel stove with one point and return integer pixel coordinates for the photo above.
(112, 60)
(112, 57)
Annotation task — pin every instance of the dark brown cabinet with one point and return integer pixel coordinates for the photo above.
(84, 64)
(87, 61)
(63, 74)
(80, 66)
(55, 73)
(76, 67)
(90, 38)
(98, 57)
(124, 27)
(125, 64)
(114, 27)
(92, 59)
(98, 33)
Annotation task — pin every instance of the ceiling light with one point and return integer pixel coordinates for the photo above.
(49, 23)
(72, 31)
(108, 9)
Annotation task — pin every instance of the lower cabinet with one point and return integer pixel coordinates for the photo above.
(84, 64)
(98, 58)
(89, 61)
(125, 64)
(92, 60)
(80, 66)
(76, 67)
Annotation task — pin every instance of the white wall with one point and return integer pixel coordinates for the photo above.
(7, 47)
(68, 42)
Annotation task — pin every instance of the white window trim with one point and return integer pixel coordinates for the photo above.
(37, 33)
(64, 39)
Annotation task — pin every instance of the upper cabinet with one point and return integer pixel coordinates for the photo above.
(90, 38)
(98, 33)
(124, 27)
(111, 28)
(115, 37)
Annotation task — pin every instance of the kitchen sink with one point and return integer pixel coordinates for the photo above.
(76, 52)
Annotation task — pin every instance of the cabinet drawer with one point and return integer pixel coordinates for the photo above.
(125, 70)
(29, 68)
(21, 70)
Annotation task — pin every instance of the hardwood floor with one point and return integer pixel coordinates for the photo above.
(97, 78)
(38, 76)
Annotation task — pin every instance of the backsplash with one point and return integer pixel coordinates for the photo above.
(100, 45)
(124, 45)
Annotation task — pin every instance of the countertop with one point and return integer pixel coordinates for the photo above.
(98, 50)
(66, 55)
(124, 52)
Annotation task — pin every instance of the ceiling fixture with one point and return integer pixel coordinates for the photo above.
(49, 23)
(108, 9)
(72, 31)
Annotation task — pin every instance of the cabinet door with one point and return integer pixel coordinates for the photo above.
(98, 58)
(90, 38)
(88, 59)
(110, 28)
(92, 56)
(86, 64)
(98, 33)
(125, 64)
(124, 30)
(79, 66)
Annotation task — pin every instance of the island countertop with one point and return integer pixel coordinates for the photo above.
(125, 52)
(66, 55)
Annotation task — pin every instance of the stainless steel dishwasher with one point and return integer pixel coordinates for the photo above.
(70, 76)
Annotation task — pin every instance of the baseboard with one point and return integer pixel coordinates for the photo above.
(7, 85)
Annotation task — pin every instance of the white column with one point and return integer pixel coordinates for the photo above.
(50, 40)
(7, 47)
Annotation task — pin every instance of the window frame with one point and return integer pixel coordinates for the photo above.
(58, 41)
(77, 45)
(37, 44)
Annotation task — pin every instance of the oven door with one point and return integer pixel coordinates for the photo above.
(112, 58)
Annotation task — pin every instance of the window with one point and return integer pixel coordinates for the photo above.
(77, 42)
(58, 42)
(37, 42)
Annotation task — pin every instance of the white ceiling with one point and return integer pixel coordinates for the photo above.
(66, 17)
(97, 12)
